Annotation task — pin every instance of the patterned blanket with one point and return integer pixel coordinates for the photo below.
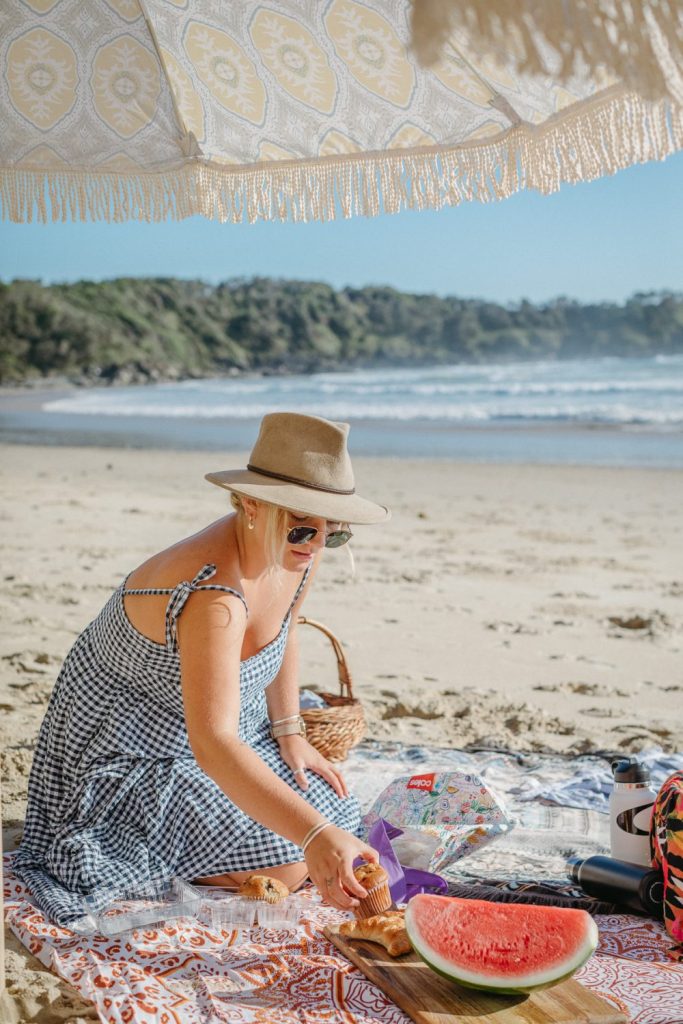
(188, 972)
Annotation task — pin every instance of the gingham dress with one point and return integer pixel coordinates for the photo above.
(115, 794)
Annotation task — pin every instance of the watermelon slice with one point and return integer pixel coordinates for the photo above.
(501, 947)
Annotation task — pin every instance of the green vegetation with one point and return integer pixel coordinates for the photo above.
(133, 329)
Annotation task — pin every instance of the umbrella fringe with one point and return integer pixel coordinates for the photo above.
(637, 42)
(600, 138)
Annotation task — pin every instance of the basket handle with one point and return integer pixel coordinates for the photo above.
(343, 671)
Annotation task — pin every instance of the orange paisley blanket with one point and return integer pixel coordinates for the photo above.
(187, 973)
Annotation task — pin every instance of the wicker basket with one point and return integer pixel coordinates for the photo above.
(337, 728)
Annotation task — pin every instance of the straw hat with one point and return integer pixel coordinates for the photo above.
(302, 463)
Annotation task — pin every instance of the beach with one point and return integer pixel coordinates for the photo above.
(531, 607)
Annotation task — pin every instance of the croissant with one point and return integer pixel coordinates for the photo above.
(388, 929)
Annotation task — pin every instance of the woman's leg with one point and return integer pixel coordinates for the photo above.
(293, 875)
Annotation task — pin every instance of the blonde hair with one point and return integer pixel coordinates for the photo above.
(276, 532)
(275, 528)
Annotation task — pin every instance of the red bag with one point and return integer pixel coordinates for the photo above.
(666, 849)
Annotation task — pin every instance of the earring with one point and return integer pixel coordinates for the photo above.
(250, 524)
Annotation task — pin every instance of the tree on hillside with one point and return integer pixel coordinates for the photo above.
(137, 329)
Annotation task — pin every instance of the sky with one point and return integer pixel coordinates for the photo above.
(596, 241)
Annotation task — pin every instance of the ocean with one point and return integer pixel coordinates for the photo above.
(607, 411)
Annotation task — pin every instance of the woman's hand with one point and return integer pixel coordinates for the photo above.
(329, 858)
(301, 757)
(330, 855)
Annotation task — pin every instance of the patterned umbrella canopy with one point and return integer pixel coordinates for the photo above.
(300, 109)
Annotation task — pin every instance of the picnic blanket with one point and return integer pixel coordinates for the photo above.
(557, 802)
(187, 971)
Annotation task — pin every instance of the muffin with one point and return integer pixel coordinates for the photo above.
(375, 880)
(262, 887)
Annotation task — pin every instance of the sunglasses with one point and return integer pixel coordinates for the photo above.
(304, 534)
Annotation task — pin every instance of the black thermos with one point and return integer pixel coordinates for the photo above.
(618, 881)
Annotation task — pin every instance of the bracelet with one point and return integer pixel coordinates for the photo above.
(297, 727)
(309, 834)
(314, 833)
(279, 721)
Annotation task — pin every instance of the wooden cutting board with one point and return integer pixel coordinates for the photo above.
(428, 998)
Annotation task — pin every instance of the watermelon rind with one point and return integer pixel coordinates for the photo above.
(524, 984)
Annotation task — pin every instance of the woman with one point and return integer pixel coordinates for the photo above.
(172, 743)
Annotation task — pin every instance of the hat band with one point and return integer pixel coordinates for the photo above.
(296, 480)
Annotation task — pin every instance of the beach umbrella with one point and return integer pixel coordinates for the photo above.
(124, 109)
(638, 42)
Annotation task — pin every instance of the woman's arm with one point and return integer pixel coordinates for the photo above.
(210, 634)
(282, 697)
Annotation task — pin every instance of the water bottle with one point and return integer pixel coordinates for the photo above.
(617, 881)
(630, 809)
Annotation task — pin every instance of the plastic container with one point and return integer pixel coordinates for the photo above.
(286, 914)
(150, 903)
(226, 915)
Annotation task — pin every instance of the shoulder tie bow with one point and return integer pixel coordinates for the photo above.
(176, 603)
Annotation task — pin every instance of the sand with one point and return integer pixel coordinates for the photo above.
(532, 607)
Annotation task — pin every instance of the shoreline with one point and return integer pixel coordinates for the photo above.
(522, 442)
(144, 378)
